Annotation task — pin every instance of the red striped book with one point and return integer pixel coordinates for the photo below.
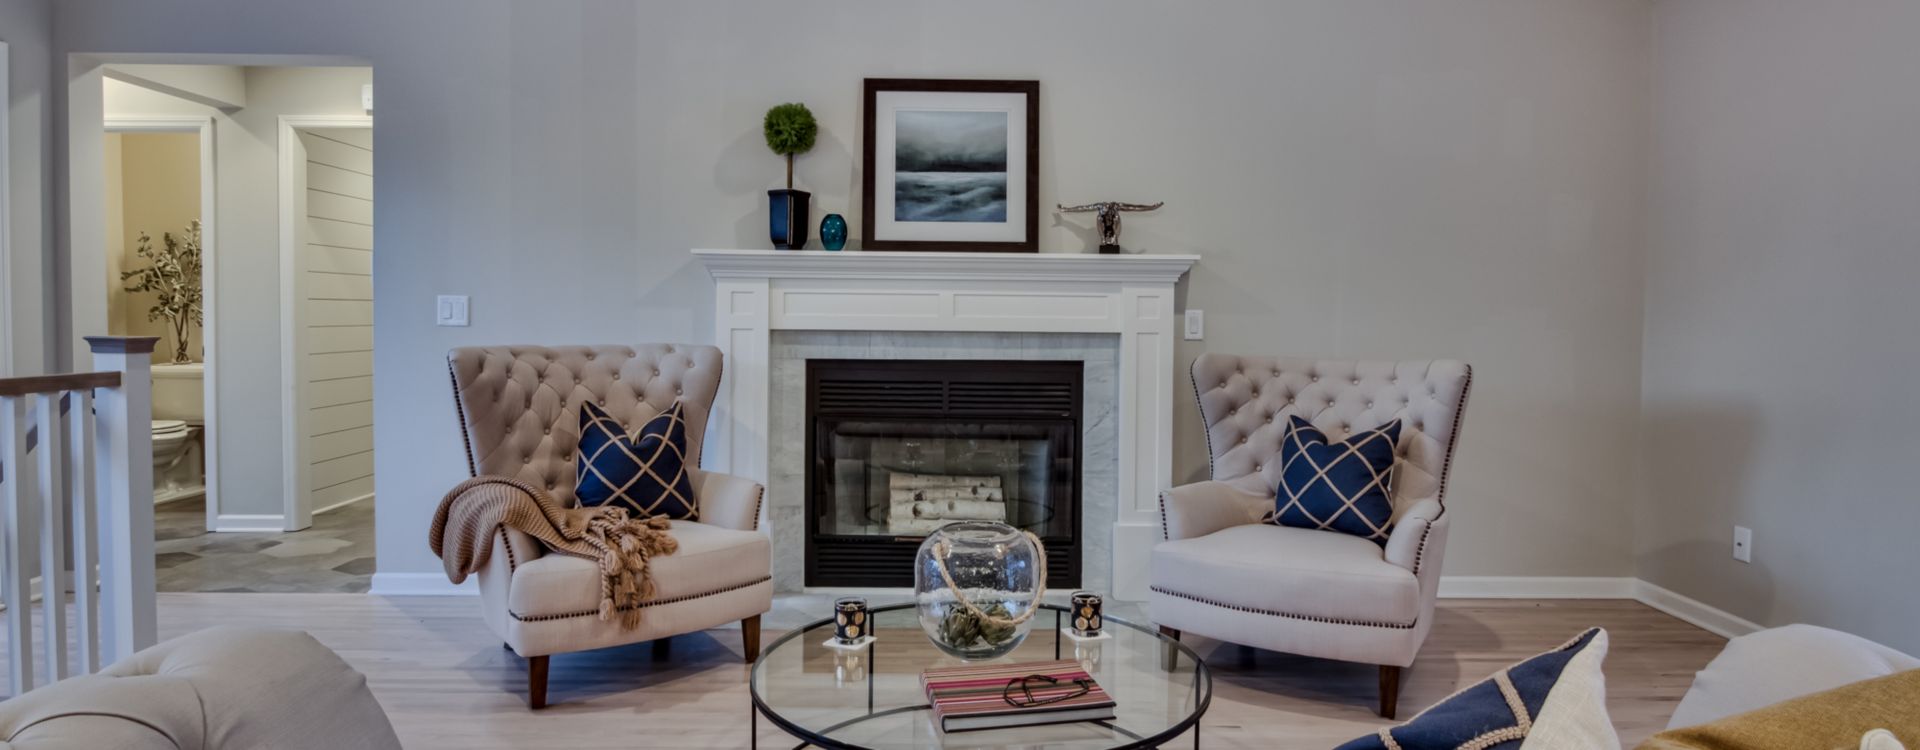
(975, 696)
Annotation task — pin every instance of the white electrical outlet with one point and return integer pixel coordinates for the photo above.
(451, 310)
(1743, 544)
(1196, 325)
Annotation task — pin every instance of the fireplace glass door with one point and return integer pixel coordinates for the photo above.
(908, 477)
(898, 449)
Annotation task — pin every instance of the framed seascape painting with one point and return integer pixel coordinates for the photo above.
(951, 165)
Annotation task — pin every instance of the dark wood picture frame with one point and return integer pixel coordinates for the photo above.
(1032, 91)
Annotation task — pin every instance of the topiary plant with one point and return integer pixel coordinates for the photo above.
(790, 130)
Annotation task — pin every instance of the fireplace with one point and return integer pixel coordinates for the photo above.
(897, 448)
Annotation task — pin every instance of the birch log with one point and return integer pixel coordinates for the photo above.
(901, 480)
(944, 494)
(964, 510)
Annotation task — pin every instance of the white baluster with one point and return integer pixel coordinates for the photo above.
(86, 544)
(124, 447)
(18, 513)
(53, 537)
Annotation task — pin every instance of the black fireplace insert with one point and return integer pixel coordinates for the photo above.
(897, 448)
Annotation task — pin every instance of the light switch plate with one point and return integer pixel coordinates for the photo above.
(451, 310)
(1743, 544)
(1196, 325)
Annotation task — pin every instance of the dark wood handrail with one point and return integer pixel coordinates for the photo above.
(75, 381)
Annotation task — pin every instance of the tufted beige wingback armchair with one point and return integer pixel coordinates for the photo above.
(520, 415)
(1223, 574)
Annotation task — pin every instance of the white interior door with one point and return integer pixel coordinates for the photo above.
(331, 173)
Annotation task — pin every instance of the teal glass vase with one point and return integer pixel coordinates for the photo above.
(833, 232)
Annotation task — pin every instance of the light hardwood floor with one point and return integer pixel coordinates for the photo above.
(447, 683)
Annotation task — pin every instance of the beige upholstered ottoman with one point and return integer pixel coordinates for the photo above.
(224, 688)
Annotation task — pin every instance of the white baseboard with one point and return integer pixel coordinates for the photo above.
(421, 584)
(343, 503)
(238, 522)
(1712, 619)
(1535, 587)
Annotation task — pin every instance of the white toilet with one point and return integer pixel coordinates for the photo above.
(179, 419)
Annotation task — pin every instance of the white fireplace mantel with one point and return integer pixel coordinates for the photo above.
(757, 292)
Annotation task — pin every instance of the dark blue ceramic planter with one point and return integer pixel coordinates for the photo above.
(787, 218)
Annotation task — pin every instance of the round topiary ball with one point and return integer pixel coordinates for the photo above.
(790, 129)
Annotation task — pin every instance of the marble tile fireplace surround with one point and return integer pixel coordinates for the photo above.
(774, 310)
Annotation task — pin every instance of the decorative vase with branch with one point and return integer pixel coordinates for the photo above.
(790, 130)
(172, 274)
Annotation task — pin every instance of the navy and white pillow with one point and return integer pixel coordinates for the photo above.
(1557, 699)
(645, 472)
(1345, 486)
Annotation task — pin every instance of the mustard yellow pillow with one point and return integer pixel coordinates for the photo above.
(1836, 719)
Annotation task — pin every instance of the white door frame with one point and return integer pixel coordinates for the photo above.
(209, 263)
(299, 512)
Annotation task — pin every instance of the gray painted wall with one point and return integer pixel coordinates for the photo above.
(1781, 344)
(1458, 179)
(27, 28)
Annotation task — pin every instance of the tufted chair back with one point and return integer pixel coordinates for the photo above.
(1245, 402)
(520, 405)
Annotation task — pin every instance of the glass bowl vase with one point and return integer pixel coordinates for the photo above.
(976, 586)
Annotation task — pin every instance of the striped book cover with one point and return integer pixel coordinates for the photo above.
(975, 696)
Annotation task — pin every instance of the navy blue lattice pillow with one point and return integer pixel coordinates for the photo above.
(646, 472)
(1345, 487)
(1555, 700)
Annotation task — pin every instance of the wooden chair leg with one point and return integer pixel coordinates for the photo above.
(1389, 690)
(537, 682)
(750, 637)
(1173, 633)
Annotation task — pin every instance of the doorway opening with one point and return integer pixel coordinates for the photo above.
(277, 494)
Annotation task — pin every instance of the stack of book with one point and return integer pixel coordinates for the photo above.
(992, 696)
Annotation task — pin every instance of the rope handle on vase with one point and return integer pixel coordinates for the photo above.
(940, 551)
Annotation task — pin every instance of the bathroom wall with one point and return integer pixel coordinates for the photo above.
(152, 186)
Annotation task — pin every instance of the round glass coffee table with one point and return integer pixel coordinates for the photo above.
(870, 698)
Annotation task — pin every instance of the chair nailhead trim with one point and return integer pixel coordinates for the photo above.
(643, 605)
(1288, 615)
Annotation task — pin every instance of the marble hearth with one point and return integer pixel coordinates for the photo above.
(776, 309)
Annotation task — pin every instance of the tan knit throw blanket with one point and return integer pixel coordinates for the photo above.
(471, 513)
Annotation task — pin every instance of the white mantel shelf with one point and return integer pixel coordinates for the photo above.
(851, 264)
(758, 292)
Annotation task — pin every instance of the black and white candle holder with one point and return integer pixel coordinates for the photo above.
(1086, 617)
(852, 623)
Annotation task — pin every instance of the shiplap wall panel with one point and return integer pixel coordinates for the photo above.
(337, 180)
(339, 365)
(341, 391)
(362, 137)
(338, 260)
(325, 419)
(327, 312)
(343, 443)
(327, 497)
(331, 152)
(339, 339)
(348, 208)
(337, 286)
(340, 470)
(340, 234)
